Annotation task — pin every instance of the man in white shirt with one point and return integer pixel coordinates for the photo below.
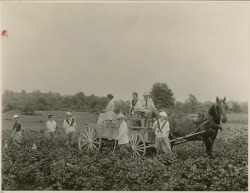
(51, 128)
(161, 128)
(147, 105)
(123, 134)
(69, 125)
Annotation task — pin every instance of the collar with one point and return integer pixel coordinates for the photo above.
(162, 121)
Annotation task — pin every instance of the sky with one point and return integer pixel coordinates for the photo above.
(198, 48)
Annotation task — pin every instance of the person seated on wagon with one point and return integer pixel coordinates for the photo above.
(134, 109)
(135, 105)
(109, 111)
(161, 128)
(147, 105)
(123, 134)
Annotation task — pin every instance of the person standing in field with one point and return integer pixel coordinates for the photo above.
(51, 128)
(109, 111)
(161, 128)
(123, 134)
(69, 125)
(17, 135)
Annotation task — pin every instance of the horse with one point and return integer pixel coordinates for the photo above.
(206, 126)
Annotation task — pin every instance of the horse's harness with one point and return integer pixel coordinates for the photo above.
(208, 119)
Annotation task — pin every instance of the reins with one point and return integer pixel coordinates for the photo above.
(208, 119)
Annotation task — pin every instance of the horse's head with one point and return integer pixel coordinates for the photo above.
(221, 109)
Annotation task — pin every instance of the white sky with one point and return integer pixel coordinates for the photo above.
(198, 48)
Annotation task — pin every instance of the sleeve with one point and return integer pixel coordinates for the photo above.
(138, 105)
(108, 107)
(75, 123)
(154, 126)
(167, 126)
(47, 125)
(64, 124)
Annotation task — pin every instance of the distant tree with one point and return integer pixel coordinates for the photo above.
(28, 109)
(162, 95)
(122, 106)
(244, 107)
(181, 107)
(236, 107)
(192, 103)
(23, 92)
(42, 104)
(206, 105)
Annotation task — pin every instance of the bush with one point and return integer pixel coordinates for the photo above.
(28, 109)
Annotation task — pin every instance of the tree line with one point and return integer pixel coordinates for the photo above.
(161, 94)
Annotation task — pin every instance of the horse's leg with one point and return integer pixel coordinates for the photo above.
(211, 138)
(208, 143)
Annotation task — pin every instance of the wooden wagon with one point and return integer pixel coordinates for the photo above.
(140, 138)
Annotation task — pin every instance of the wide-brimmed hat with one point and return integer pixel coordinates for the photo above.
(69, 113)
(163, 114)
(15, 116)
(120, 116)
(146, 94)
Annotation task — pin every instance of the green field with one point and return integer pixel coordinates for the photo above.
(58, 168)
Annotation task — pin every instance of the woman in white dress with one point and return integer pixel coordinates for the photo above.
(109, 111)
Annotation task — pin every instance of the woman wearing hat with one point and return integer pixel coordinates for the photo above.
(123, 134)
(17, 136)
(161, 128)
(51, 127)
(109, 111)
(69, 125)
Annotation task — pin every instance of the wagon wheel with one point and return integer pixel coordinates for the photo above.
(137, 144)
(90, 138)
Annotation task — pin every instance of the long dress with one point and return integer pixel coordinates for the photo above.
(109, 111)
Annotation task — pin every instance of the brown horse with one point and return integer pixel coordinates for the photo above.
(207, 125)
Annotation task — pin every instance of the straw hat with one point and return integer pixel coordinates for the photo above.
(163, 114)
(15, 116)
(146, 94)
(120, 116)
(69, 113)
